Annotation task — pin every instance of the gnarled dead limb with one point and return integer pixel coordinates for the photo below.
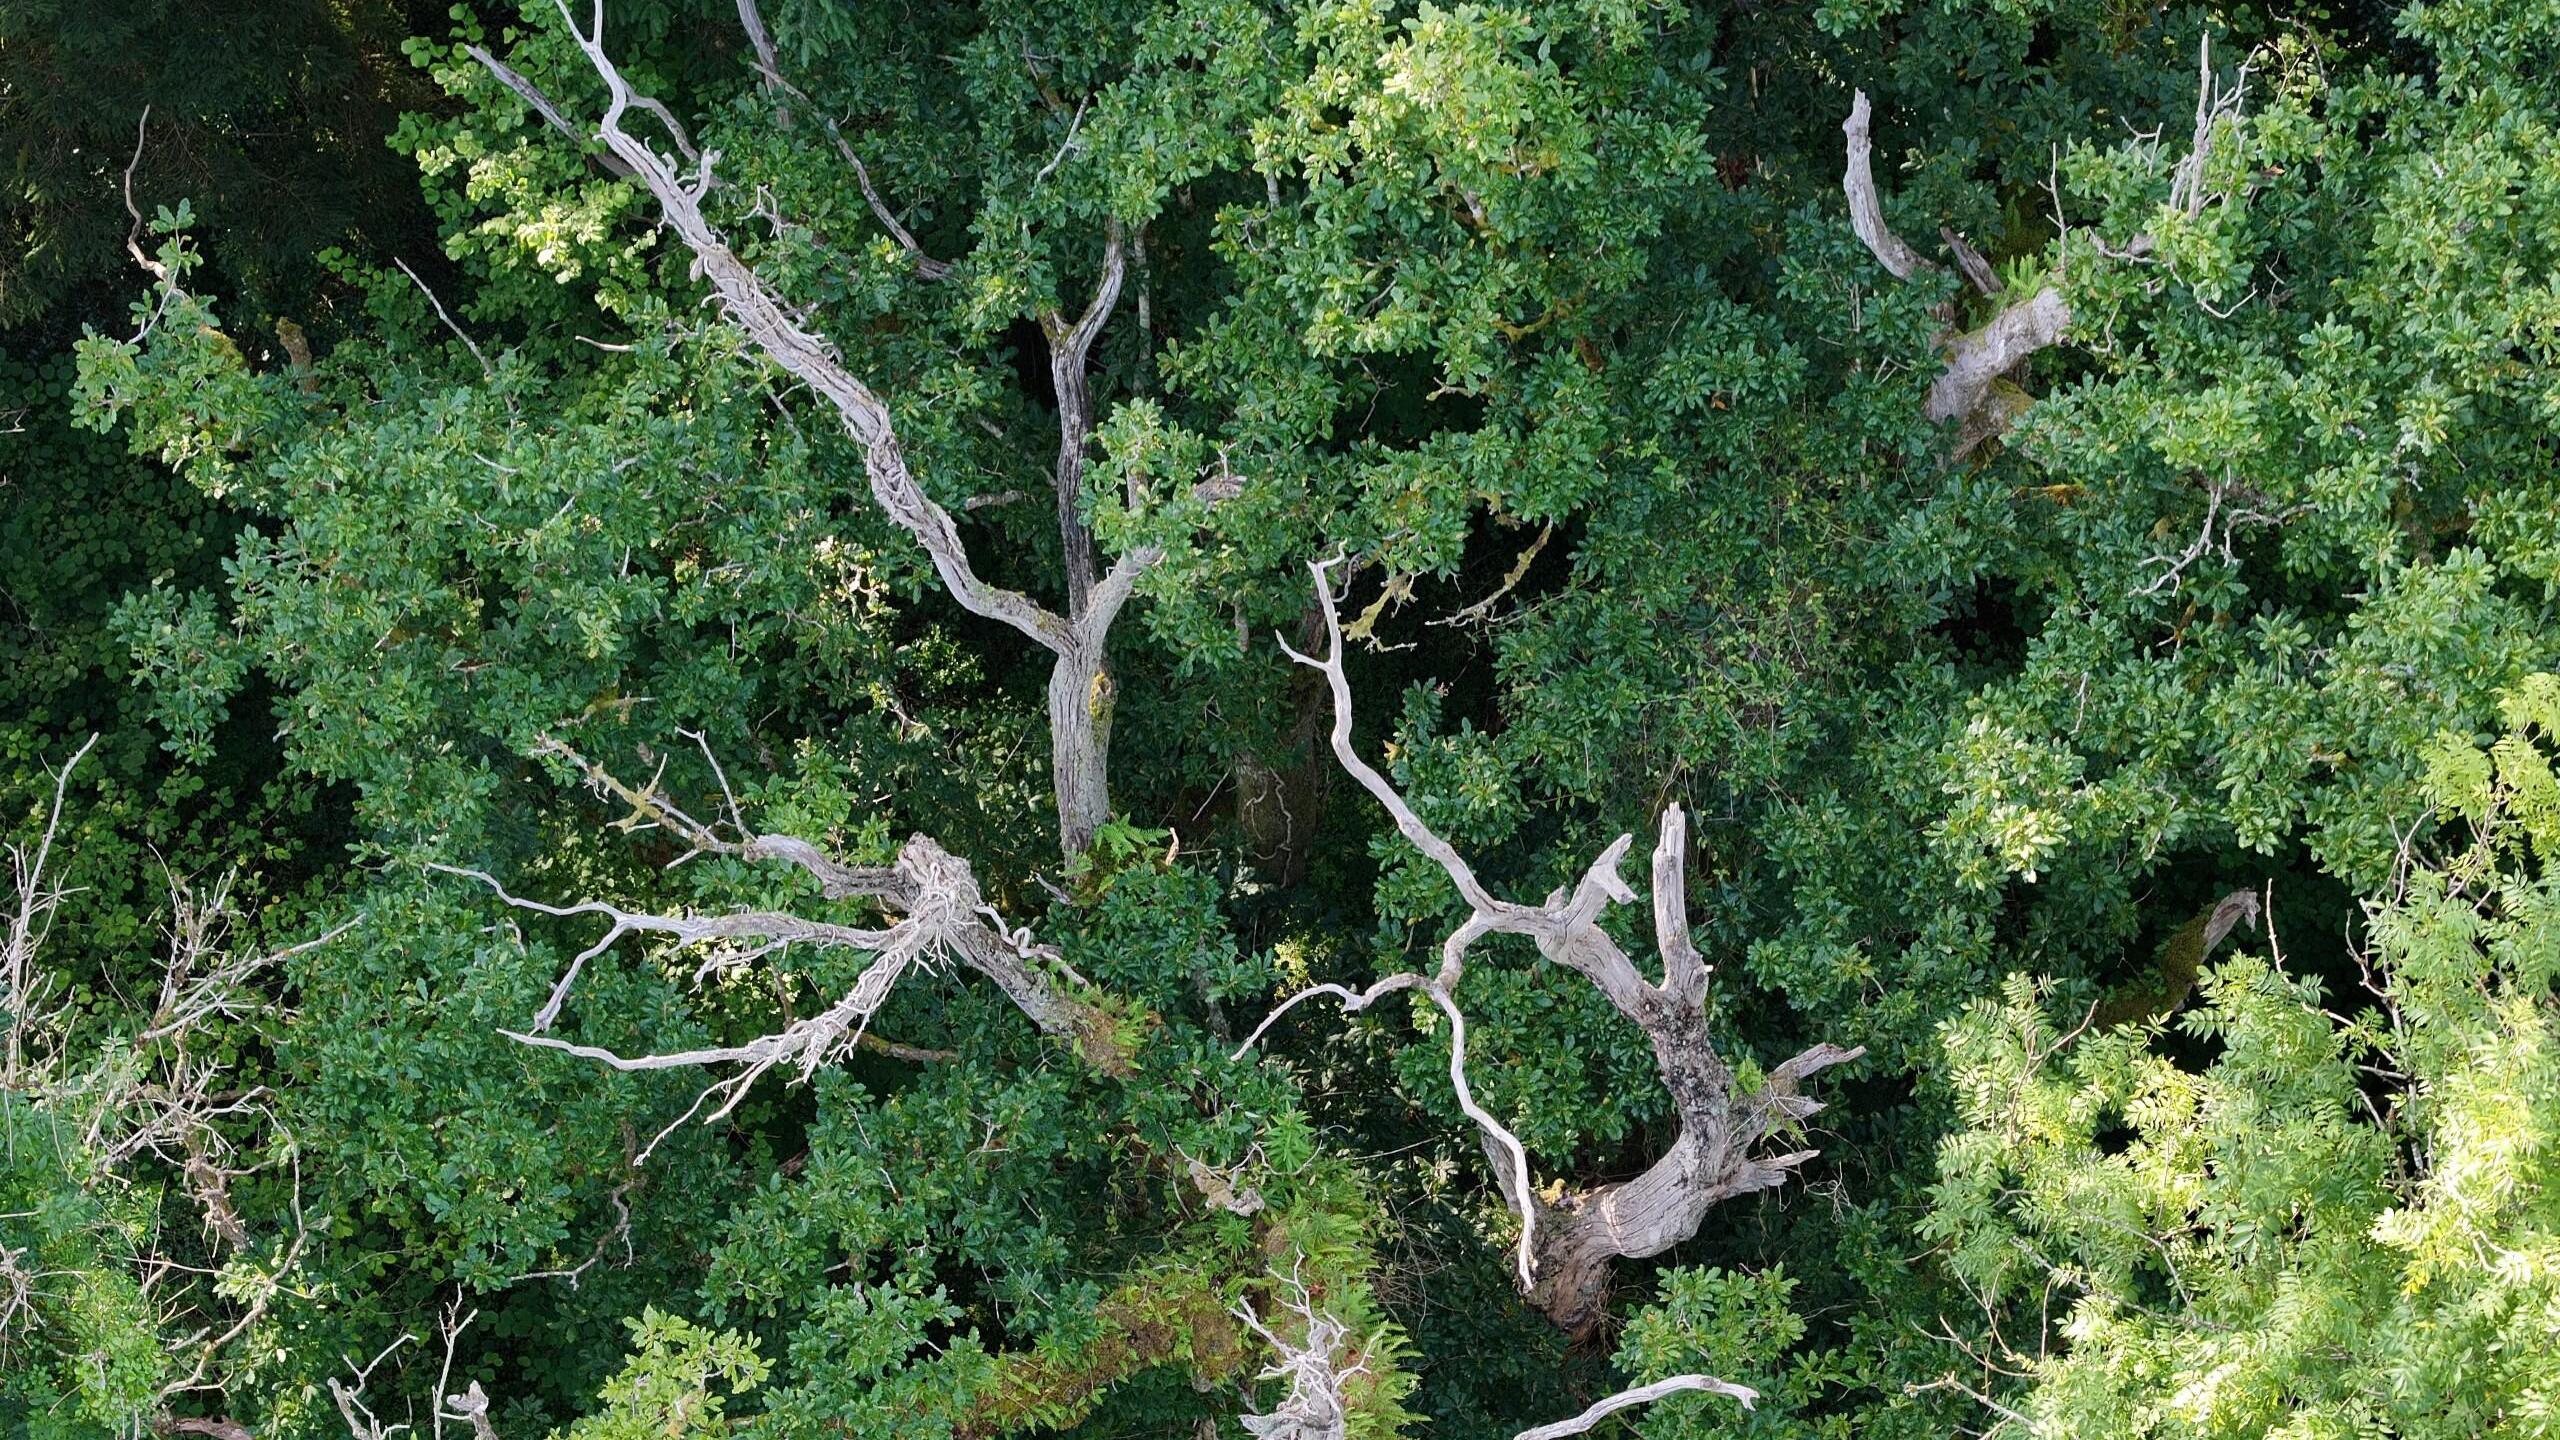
(1310, 1358)
(1866, 210)
(1079, 687)
(942, 918)
(760, 40)
(1975, 359)
(945, 920)
(1567, 1248)
(752, 21)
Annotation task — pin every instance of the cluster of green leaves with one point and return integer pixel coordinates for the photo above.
(1546, 315)
(2340, 1223)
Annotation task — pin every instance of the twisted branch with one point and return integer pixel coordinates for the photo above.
(943, 919)
(1974, 359)
(1566, 1249)
(1079, 687)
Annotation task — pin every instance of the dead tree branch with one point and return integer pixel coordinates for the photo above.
(1973, 360)
(541, 105)
(2220, 504)
(1866, 210)
(751, 20)
(359, 1417)
(22, 990)
(472, 1406)
(944, 920)
(941, 919)
(1568, 1247)
(1311, 1361)
(1080, 689)
(1639, 1395)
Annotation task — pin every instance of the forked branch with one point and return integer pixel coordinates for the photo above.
(1080, 688)
(23, 990)
(941, 918)
(1310, 1357)
(1974, 360)
(1568, 1247)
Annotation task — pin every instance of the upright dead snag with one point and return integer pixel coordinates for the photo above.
(1568, 1246)
(1973, 360)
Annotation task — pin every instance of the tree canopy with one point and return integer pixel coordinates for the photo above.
(1343, 717)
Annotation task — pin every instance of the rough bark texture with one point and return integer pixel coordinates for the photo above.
(1972, 360)
(1070, 353)
(1976, 358)
(1866, 210)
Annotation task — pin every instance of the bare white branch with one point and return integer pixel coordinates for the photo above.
(1311, 1360)
(760, 311)
(22, 990)
(1866, 211)
(133, 236)
(1986, 281)
(1975, 359)
(1080, 695)
(472, 1405)
(540, 104)
(1639, 1395)
(1567, 1248)
(944, 919)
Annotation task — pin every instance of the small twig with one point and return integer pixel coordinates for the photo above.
(442, 315)
(1065, 145)
(133, 237)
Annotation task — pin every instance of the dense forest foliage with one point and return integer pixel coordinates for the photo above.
(1285, 718)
